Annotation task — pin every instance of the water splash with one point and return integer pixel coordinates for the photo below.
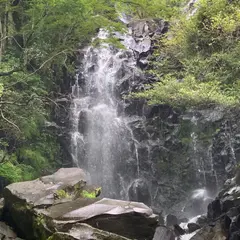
(200, 193)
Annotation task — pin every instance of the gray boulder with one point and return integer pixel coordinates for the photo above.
(165, 233)
(62, 206)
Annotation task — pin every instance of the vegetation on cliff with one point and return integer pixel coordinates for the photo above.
(197, 61)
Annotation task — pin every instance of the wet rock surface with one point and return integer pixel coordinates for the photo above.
(177, 152)
(192, 227)
(223, 216)
(163, 232)
(172, 151)
(57, 205)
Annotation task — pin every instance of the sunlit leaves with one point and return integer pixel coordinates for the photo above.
(150, 8)
(187, 92)
(197, 62)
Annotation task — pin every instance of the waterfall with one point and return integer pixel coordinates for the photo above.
(151, 154)
(98, 137)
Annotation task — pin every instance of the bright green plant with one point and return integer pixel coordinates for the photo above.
(62, 194)
(93, 194)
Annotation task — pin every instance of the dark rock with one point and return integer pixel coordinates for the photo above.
(227, 205)
(214, 209)
(226, 223)
(202, 220)
(165, 233)
(82, 125)
(235, 236)
(192, 227)
(233, 228)
(1, 207)
(178, 230)
(3, 183)
(237, 221)
(171, 220)
(233, 212)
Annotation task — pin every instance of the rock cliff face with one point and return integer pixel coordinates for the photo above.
(162, 154)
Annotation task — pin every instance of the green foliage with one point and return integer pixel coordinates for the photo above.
(93, 194)
(56, 27)
(62, 194)
(187, 93)
(197, 62)
(10, 172)
(16, 172)
(150, 8)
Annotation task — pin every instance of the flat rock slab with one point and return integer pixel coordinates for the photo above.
(67, 176)
(130, 219)
(109, 207)
(40, 191)
(36, 213)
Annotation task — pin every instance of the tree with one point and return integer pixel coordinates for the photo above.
(38, 42)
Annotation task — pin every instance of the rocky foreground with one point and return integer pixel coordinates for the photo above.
(63, 207)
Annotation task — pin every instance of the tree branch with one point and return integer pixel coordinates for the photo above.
(49, 59)
(13, 124)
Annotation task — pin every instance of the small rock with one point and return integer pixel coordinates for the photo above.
(171, 220)
(214, 209)
(192, 227)
(163, 232)
(178, 230)
(202, 220)
(227, 205)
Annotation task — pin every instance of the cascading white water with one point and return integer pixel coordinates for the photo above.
(98, 133)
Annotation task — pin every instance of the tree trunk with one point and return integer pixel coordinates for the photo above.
(3, 31)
